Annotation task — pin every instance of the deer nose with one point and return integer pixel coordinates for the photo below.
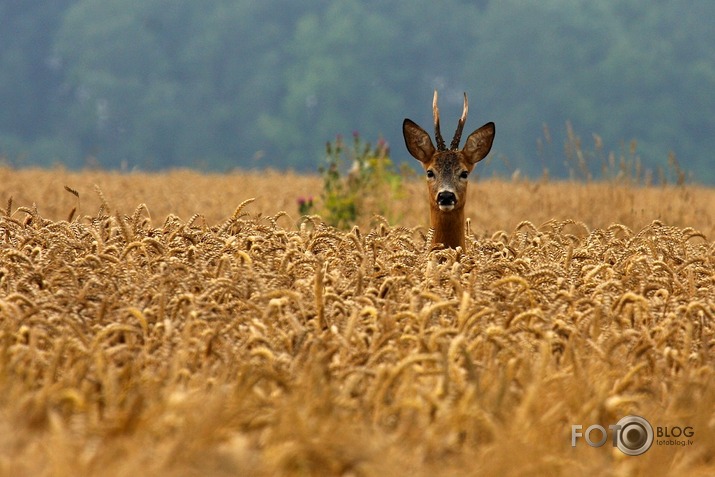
(446, 198)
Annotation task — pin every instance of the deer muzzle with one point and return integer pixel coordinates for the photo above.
(446, 200)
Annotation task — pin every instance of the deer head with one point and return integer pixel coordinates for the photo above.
(447, 171)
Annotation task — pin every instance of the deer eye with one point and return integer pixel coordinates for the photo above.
(464, 174)
(430, 174)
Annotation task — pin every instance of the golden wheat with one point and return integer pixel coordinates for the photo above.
(267, 345)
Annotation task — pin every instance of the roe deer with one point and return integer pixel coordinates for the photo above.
(447, 171)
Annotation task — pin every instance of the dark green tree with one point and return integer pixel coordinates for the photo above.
(223, 83)
(31, 90)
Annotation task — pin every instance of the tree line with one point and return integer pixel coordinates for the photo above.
(219, 84)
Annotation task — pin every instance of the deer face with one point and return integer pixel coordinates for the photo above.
(447, 170)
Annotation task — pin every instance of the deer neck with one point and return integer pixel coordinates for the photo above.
(448, 227)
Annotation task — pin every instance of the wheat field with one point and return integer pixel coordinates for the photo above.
(168, 325)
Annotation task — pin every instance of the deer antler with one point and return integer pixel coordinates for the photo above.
(460, 125)
(437, 133)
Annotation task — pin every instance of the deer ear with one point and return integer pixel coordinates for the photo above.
(417, 141)
(479, 143)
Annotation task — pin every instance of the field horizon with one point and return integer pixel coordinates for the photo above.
(492, 204)
(186, 324)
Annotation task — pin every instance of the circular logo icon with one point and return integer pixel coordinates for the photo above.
(634, 436)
